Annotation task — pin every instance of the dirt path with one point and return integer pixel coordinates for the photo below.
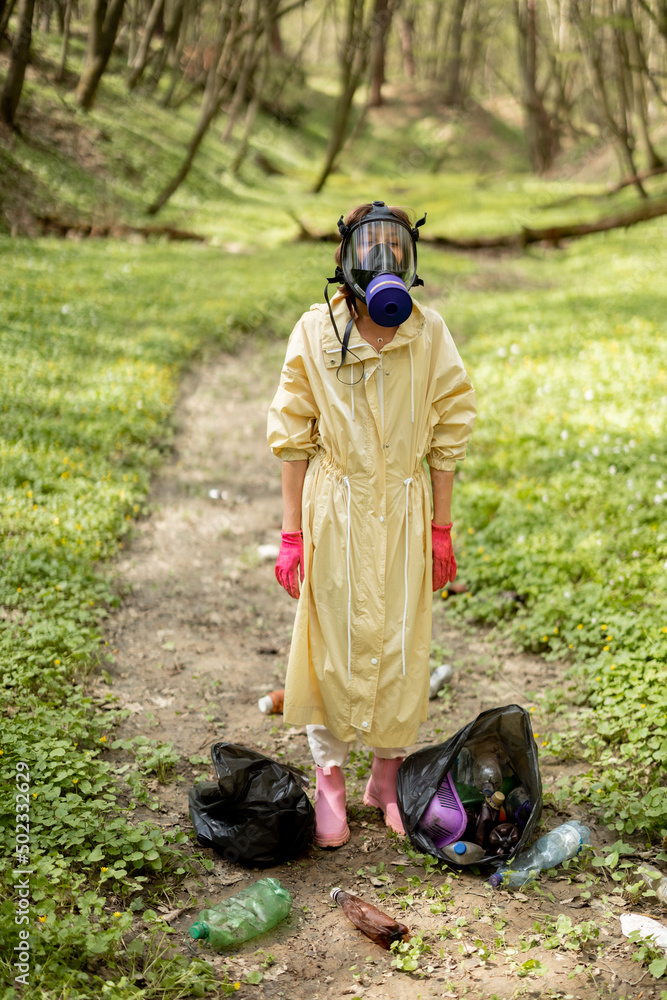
(206, 632)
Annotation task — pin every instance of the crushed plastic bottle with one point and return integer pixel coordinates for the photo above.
(375, 924)
(440, 677)
(647, 927)
(464, 852)
(250, 912)
(552, 849)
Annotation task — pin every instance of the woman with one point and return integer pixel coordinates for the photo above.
(352, 422)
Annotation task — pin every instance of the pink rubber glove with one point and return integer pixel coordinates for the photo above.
(444, 563)
(290, 560)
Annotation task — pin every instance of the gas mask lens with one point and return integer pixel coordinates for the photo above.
(379, 247)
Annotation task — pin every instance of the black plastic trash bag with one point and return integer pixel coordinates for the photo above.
(257, 812)
(421, 774)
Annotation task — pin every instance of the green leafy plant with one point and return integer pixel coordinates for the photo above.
(408, 954)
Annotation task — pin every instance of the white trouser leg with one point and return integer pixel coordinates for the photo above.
(388, 753)
(328, 751)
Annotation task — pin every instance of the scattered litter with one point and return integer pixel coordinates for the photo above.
(272, 703)
(647, 927)
(268, 552)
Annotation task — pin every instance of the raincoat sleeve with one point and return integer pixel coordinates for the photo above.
(292, 426)
(454, 408)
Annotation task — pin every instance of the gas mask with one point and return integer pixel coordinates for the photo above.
(378, 262)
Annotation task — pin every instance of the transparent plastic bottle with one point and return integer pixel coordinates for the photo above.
(487, 758)
(250, 912)
(375, 924)
(552, 849)
(655, 880)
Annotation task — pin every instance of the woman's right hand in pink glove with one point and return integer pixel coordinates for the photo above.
(290, 561)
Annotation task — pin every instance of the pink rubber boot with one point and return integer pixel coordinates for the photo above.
(381, 790)
(331, 829)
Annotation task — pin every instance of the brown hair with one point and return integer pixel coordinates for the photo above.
(354, 216)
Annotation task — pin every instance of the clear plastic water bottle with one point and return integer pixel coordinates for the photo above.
(250, 912)
(552, 849)
(487, 775)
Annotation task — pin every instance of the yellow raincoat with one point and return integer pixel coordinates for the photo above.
(362, 635)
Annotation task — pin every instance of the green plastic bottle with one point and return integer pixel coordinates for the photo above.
(250, 912)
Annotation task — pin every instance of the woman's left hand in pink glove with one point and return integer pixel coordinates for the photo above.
(290, 561)
(444, 563)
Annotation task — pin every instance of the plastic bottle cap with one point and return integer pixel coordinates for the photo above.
(460, 848)
(334, 892)
(198, 931)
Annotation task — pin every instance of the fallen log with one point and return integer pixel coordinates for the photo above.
(554, 234)
(527, 235)
(53, 225)
(611, 188)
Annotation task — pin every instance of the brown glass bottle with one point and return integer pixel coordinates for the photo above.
(490, 815)
(375, 924)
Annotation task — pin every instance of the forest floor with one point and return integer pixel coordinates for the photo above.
(204, 631)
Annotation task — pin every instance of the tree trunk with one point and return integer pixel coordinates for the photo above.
(653, 159)
(11, 94)
(133, 30)
(141, 58)
(251, 113)
(4, 18)
(593, 58)
(103, 30)
(225, 41)
(248, 66)
(554, 234)
(169, 44)
(407, 30)
(540, 134)
(62, 66)
(176, 46)
(352, 59)
(453, 95)
(380, 32)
